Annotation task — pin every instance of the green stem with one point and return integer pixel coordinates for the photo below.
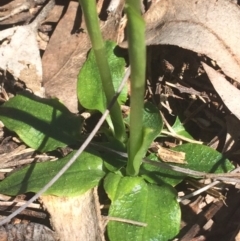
(137, 54)
(98, 45)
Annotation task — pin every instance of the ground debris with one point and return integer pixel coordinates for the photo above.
(26, 232)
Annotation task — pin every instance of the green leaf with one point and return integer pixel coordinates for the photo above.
(152, 126)
(160, 175)
(204, 159)
(132, 198)
(179, 128)
(89, 87)
(113, 161)
(43, 124)
(84, 174)
(199, 158)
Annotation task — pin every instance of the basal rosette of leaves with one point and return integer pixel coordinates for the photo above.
(46, 124)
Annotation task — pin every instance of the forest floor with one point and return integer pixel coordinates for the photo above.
(177, 82)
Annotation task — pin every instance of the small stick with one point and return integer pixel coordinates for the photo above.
(5, 170)
(43, 14)
(123, 220)
(181, 137)
(230, 177)
(197, 192)
(167, 124)
(17, 204)
(174, 134)
(205, 188)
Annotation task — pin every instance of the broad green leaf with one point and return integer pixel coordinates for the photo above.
(199, 158)
(89, 87)
(152, 126)
(204, 159)
(132, 198)
(84, 174)
(43, 124)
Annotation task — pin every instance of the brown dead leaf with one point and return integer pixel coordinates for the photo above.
(229, 94)
(16, 11)
(66, 53)
(60, 60)
(168, 155)
(206, 27)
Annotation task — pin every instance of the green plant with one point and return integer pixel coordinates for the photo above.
(138, 191)
(98, 46)
(137, 55)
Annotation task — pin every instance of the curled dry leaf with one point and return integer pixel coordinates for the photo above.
(228, 93)
(206, 27)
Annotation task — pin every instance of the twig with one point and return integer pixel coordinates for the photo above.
(197, 192)
(183, 138)
(171, 130)
(43, 14)
(5, 170)
(174, 134)
(123, 220)
(176, 168)
(77, 154)
(18, 204)
(205, 188)
(229, 177)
